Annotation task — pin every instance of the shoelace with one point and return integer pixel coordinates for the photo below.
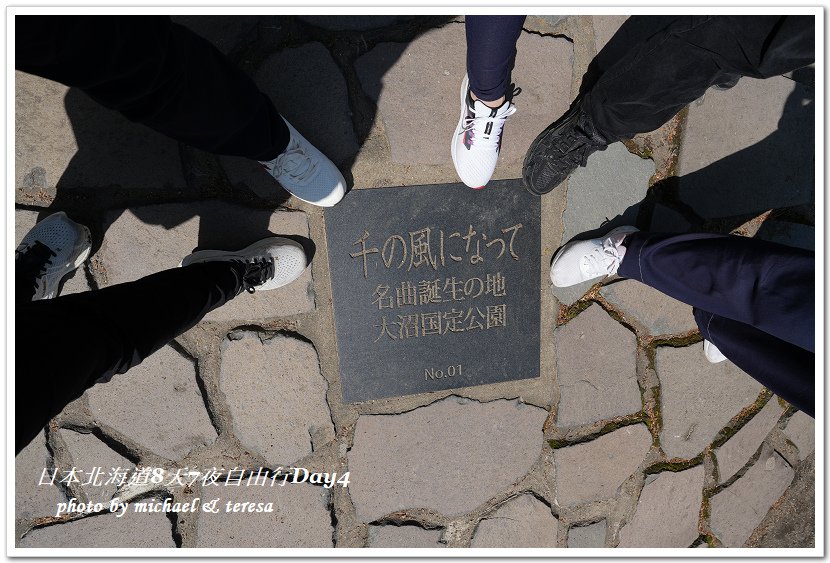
(602, 260)
(31, 263)
(295, 163)
(257, 272)
(573, 149)
(476, 127)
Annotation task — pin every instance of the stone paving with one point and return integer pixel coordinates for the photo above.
(629, 439)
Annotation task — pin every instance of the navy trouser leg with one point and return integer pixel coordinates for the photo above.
(756, 297)
(156, 73)
(491, 48)
(766, 285)
(784, 368)
(676, 65)
(64, 345)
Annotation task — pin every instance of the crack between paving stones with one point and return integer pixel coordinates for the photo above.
(737, 422)
(612, 425)
(517, 398)
(174, 528)
(332, 516)
(551, 35)
(405, 523)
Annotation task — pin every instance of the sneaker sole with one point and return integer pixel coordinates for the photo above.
(558, 253)
(214, 255)
(542, 140)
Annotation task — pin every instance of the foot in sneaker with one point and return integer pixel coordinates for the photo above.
(584, 260)
(477, 138)
(269, 263)
(306, 173)
(558, 150)
(728, 82)
(712, 353)
(54, 248)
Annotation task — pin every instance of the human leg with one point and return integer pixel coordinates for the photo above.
(491, 48)
(164, 76)
(486, 102)
(785, 369)
(762, 294)
(65, 345)
(765, 285)
(675, 66)
(157, 73)
(656, 79)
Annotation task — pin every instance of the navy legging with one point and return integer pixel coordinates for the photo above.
(491, 48)
(753, 299)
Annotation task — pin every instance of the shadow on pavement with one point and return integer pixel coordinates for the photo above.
(120, 164)
(776, 173)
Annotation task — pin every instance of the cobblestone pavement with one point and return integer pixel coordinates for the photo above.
(630, 438)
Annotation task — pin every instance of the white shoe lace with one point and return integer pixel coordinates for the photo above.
(294, 162)
(477, 125)
(602, 260)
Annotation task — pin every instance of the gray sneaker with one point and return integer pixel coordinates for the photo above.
(269, 263)
(54, 248)
(307, 173)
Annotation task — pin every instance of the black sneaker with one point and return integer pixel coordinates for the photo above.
(559, 150)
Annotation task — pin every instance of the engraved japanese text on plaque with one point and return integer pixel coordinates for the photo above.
(435, 287)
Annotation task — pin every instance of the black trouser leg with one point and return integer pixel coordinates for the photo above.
(157, 73)
(676, 65)
(64, 345)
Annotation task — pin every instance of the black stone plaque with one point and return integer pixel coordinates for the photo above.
(435, 287)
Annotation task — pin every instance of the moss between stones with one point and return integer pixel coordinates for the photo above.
(674, 141)
(675, 465)
(644, 151)
(636, 418)
(705, 512)
(556, 444)
(567, 314)
(616, 425)
(655, 419)
(692, 337)
(742, 418)
(613, 313)
(651, 355)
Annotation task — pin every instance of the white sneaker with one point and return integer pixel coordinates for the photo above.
(53, 248)
(306, 173)
(269, 263)
(477, 138)
(584, 260)
(712, 353)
